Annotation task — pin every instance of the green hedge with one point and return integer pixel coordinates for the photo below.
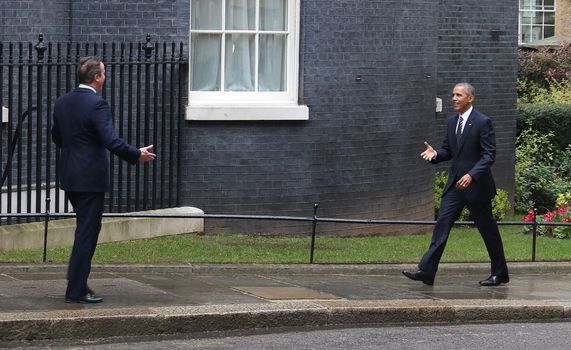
(547, 118)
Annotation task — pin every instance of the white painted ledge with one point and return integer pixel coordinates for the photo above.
(278, 111)
(61, 232)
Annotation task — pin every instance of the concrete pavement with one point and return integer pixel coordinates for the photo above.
(151, 300)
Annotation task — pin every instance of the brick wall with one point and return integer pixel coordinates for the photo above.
(23, 20)
(477, 43)
(563, 18)
(358, 155)
(94, 21)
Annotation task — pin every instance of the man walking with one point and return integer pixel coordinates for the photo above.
(471, 145)
(83, 130)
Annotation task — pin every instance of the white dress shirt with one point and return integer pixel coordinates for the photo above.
(464, 117)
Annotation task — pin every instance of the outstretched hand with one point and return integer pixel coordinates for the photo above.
(429, 153)
(146, 154)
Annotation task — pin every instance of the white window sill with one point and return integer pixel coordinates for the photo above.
(277, 111)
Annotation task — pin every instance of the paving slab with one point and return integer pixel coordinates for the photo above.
(164, 299)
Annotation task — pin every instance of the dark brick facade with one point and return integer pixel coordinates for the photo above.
(370, 72)
(94, 21)
(477, 42)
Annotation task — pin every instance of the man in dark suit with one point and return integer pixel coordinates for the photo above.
(83, 130)
(471, 144)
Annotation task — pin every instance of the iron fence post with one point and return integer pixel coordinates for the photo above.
(312, 248)
(47, 219)
(534, 230)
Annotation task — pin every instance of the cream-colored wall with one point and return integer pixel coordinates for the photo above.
(563, 18)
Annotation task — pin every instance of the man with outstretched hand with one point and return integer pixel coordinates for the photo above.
(84, 132)
(471, 145)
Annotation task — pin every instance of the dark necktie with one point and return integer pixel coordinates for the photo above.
(459, 130)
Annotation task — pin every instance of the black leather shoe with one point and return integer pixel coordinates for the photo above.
(494, 281)
(420, 275)
(86, 299)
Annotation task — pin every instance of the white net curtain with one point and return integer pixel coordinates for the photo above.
(239, 45)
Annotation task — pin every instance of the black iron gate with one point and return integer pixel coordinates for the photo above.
(145, 88)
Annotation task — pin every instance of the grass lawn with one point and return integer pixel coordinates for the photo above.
(464, 245)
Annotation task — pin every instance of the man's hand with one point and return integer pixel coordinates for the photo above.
(464, 182)
(146, 154)
(429, 153)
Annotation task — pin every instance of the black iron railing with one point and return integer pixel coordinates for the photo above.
(313, 219)
(145, 88)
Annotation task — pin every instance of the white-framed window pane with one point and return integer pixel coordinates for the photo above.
(272, 63)
(524, 4)
(526, 33)
(239, 68)
(548, 31)
(549, 18)
(273, 15)
(205, 62)
(549, 4)
(240, 14)
(538, 19)
(206, 15)
(536, 33)
(526, 17)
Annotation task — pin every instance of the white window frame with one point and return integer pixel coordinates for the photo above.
(220, 105)
(535, 9)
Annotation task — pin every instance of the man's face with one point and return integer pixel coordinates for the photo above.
(99, 79)
(461, 100)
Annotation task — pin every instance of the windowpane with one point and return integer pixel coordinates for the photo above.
(273, 15)
(239, 70)
(549, 18)
(205, 62)
(240, 14)
(549, 4)
(525, 34)
(538, 19)
(526, 17)
(206, 14)
(272, 64)
(548, 31)
(536, 33)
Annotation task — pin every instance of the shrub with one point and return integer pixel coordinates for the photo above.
(500, 203)
(544, 76)
(545, 66)
(554, 93)
(541, 173)
(553, 118)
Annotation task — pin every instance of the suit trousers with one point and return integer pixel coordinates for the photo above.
(450, 209)
(88, 207)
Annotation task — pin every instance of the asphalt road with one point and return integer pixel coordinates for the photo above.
(516, 336)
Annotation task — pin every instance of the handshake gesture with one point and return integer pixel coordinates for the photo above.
(429, 153)
(146, 154)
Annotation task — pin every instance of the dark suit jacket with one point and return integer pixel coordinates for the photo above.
(83, 129)
(474, 155)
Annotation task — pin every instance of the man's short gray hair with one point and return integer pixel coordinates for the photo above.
(468, 88)
(87, 68)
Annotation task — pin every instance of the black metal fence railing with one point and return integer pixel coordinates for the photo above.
(145, 85)
(313, 219)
